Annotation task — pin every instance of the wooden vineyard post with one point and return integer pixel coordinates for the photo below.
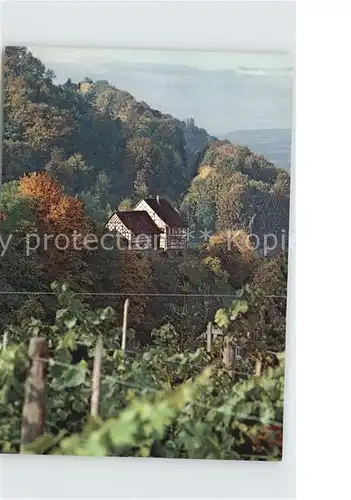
(33, 414)
(209, 337)
(4, 340)
(233, 362)
(95, 395)
(258, 367)
(125, 322)
(229, 357)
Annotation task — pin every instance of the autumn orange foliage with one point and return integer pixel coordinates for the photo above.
(42, 187)
(53, 206)
(57, 214)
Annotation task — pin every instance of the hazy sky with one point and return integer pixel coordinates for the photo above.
(222, 91)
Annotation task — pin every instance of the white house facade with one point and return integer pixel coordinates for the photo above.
(135, 228)
(168, 220)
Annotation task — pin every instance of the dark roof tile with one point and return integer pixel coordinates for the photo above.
(138, 222)
(166, 212)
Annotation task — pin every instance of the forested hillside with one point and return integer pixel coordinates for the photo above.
(88, 148)
(73, 153)
(236, 189)
(96, 140)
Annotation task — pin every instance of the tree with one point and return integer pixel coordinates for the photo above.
(32, 125)
(93, 207)
(230, 205)
(125, 205)
(43, 189)
(235, 253)
(20, 271)
(135, 279)
(235, 189)
(140, 186)
(72, 172)
(58, 217)
(102, 187)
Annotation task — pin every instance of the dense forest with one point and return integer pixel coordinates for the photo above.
(74, 153)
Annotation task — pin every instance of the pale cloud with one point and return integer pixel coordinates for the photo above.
(210, 61)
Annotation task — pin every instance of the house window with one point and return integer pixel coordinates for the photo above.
(238, 351)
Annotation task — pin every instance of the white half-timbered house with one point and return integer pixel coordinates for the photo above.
(136, 229)
(168, 220)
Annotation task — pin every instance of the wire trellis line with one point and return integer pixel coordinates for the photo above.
(119, 381)
(132, 294)
(173, 362)
(52, 362)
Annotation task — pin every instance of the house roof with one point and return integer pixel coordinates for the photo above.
(138, 222)
(166, 212)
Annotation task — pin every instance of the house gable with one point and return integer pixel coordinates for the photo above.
(163, 210)
(135, 227)
(115, 224)
(143, 205)
(174, 232)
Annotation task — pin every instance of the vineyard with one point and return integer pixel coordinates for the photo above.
(162, 400)
(109, 352)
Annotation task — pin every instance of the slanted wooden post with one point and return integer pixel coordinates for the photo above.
(95, 395)
(33, 414)
(229, 357)
(258, 367)
(233, 363)
(209, 337)
(4, 340)
(124, 328)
